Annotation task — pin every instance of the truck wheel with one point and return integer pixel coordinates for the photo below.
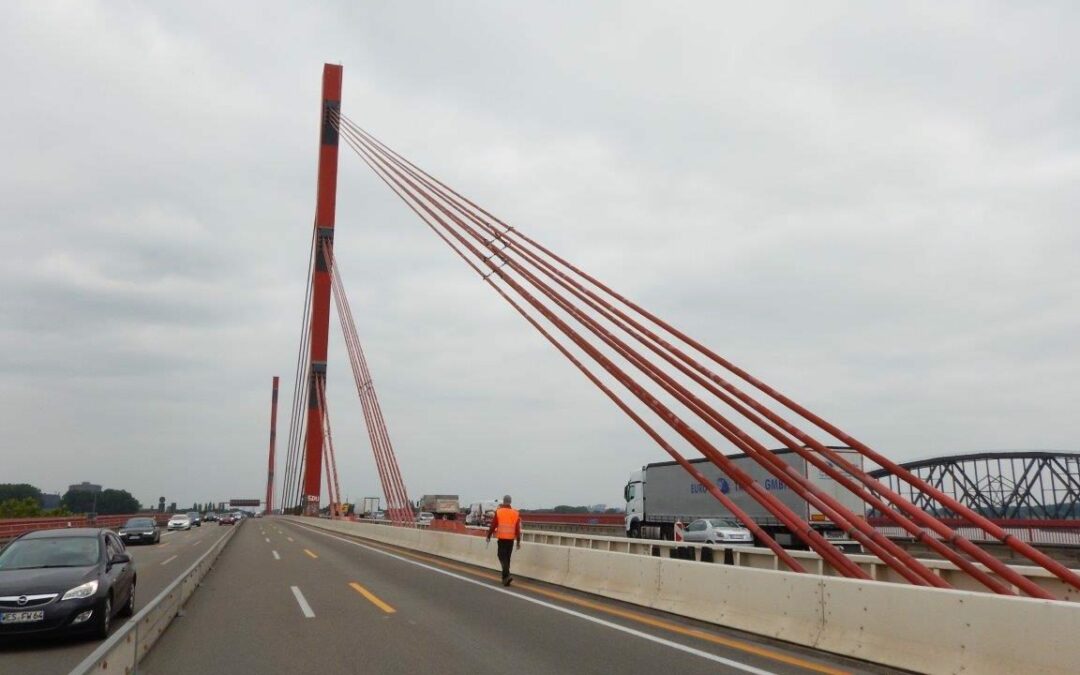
(635, 530)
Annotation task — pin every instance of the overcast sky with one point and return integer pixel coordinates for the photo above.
(871, 206)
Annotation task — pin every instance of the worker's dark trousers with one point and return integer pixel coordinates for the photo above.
(506, 549)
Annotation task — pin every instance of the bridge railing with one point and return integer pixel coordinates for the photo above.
(13, 527)
(763, 558)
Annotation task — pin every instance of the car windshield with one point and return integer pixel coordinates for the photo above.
(181, 517)
(24, 554)
(139, 522)
(724, 522)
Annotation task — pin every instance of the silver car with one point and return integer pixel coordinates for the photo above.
(717, 531)
(180, 522)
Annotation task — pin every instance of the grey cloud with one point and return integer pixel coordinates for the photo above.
(871, 207)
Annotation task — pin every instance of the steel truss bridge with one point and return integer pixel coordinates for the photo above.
(1006, 486)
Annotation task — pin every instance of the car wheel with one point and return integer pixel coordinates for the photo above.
(129, 608)
(104, 618)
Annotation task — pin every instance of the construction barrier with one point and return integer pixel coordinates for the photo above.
(925, 629)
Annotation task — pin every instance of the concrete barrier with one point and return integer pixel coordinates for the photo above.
(948, 631)
(780, 605)
(763, 558)
(925, 629)
(122, 651)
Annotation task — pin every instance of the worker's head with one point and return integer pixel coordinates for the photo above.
(506, 500)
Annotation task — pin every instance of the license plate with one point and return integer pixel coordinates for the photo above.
(22, 617)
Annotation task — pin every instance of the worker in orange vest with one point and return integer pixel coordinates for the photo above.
(506, 526)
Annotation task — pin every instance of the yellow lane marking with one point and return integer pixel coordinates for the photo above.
(372, 598)
(310, 553)
(635, 616)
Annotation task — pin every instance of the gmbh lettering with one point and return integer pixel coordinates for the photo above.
(771, 484)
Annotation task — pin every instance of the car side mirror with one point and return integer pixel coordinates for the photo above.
(119, 559)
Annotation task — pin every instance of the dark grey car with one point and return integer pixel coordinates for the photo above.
(140, 531)
(54, 581)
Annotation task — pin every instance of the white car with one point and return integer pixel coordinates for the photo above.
(180, 522)
(717, 531)
(424, 518)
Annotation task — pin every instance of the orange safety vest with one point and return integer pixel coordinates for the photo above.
(507, 520)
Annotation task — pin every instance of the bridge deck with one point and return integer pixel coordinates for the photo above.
(446, 618)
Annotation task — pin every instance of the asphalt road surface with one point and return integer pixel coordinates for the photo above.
(287, 598)
(156, 565)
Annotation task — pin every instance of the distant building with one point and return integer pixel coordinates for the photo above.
(85, 487)
(49, 501)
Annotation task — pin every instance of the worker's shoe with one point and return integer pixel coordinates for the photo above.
(508, 580)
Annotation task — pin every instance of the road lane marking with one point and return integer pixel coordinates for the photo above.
(302, 601)
(310, 553)
(372, 598)
(276, 556)
(168, 560)
(289, 538)
(268, 540)
(633, 616)
(196, 543)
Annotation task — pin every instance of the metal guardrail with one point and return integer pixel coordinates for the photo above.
(122, 651)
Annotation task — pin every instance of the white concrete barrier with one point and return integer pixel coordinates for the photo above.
(781, 605)
(925, 629)
(948, 631)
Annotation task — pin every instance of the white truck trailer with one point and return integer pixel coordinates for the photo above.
(481, 513)
(368, 507)
(663, 493)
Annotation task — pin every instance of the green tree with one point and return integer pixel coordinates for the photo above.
(563, 508)
(117, 501)
(19, 491)
(27, 507)
(106, 502)
(78, 501)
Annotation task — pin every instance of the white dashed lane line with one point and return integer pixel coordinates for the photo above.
(302, 601)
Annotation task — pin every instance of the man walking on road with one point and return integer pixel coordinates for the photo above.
(506, 525)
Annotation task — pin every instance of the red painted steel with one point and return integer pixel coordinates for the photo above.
(320, 280)
(273, 443)
(506, 240)
(397, 499)
(781, 512)
(13, 527)
(801, 529)
(497, 242)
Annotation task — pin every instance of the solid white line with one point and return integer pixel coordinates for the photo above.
(304, 606)
(276, 556)
(166, 561)
(614, 626)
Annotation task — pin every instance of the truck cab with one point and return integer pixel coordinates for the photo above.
(634, 494)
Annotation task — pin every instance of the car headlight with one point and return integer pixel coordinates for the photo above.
(84, 591)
